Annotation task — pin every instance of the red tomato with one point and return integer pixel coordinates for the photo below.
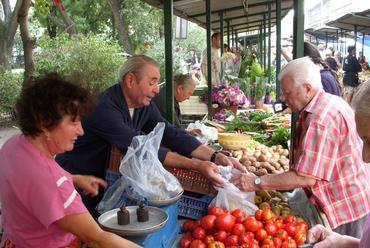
(244, 238)
(251, 224)
(260, 224)
(185, 241)
(196, 243)
(300, 238)
(267, 246)
(220, 235)
(250, 235)
(196, 224)
(302, 226)
(199, 233)
(188, 226)
(208, 222)
(261, 234)
(268, 241)
(225, 222)
(277, 242)
(271, 229)
(216, 244)
(239, 215)
(231, 240)
(282, 234)
(215, 211)
(289, 243)
(291, 229)
(267, 214)
(209, 239)
(238, 229)
(290, 219)
(258, 214)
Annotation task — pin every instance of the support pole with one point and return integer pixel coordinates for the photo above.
(209, 62)
(278, 46)
(168, 12)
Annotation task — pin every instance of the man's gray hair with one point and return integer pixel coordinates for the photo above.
(361, 100)
(302, 70)
(135, 64)
(184, 80)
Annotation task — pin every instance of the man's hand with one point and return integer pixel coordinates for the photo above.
(325, 238)
(89, 184)
(210, 170)
(244, 181)
(222, 159)
(195, 132)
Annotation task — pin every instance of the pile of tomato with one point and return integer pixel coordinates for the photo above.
(225, 229)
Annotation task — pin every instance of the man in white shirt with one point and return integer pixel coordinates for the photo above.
(215, 58)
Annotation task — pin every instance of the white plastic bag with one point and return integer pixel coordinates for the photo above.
(142, 170)
(230, 197)
(208, 133)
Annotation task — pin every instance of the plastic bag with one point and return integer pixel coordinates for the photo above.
(208, 133)
(143, 176)
(230, 197)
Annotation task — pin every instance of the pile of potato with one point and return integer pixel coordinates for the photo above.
(274, 200)
(263, 160)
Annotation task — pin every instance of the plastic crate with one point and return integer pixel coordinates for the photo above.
(193, 181)
(194, 207)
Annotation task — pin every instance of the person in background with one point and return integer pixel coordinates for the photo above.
(126, 110)
(324, 237)
(362, 60)
(184, 87)
(215, 60)
(40, 205)
(351, 68)
(328, 77)
(327, 156)
(338, 58)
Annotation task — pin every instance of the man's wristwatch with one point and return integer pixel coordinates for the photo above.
(257, 182)
(213, 157)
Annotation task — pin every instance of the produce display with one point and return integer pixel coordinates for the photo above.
(222, 228)
(273, 200)
(262, 160)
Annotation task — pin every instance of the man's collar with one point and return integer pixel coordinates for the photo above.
(309, 107)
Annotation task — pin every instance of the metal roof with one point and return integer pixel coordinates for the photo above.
(348, 22)
(243, 15)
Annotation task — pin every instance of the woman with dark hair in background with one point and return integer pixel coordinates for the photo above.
(351, 68)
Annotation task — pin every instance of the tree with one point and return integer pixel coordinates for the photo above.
(8, 28)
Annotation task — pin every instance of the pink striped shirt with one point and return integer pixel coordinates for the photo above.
(330, 149)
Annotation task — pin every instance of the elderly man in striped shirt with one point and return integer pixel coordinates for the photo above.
(327, 162)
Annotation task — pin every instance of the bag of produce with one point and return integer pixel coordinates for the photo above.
(230, 197)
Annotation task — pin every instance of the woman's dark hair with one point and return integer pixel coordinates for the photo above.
(350, 49)
(44, 101)
(311, 51)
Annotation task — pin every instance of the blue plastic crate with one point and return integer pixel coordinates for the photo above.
(192, 207)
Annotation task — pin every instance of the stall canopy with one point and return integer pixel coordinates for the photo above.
(243, 16)
(349, 21)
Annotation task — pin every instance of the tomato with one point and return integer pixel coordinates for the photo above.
(208, 222)
(291, 229)
(271, 229)
(302, 226)
(250, 235)
(199, 233)
(279, 222)
(196, 224)
(277, 242)
(186, 241)
(188, 226)
(239, 215)
(258, 214)
(267, 214)
(244, 238)
(215, 211)
(251, 224)
(300, 238)
(231, 240)
(289, 243)
(268, 246)
(196, 243)
(268, 241)
(225, 222)
(209, 239)
(238, 229)
(261, 234)
(260, 224)
(220, 235)
(282, 234)
(216, 244)
(290, 219)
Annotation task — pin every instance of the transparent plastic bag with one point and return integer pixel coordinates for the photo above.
(230, 197)
(143, 176)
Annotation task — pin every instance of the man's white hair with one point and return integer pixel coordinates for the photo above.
(361, 100)
(302, 70)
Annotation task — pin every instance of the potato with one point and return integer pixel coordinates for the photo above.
(247, 163)
(275, 164)
(262, 158)
(256, 164)
(243, 159)
(273, 148)
(283, 162)
(251, 168)
(286, 152)
(279, 147)
(257, 153)
(252, 159)
(280, 151)
(267, 166)
(261, 172)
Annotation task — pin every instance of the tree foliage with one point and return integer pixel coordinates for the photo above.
(10, 87)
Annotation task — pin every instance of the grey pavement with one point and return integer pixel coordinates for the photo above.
(6, 133)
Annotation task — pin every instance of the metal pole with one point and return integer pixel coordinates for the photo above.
(269, 44)
(355, 37)
(337, 39)
(168, 11)
(326, 39)
(222, 40)
(209, 62)
(261, 44)
(228, 34)
(363, 42)
(278, 46)
(264, 41)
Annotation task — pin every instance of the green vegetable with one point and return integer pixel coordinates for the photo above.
(258, 115)
(280, 137)
(247, 126)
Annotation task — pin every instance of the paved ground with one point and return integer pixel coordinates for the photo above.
(6, 133)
